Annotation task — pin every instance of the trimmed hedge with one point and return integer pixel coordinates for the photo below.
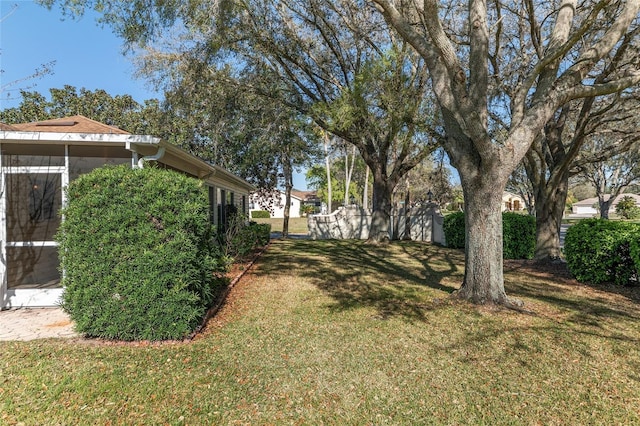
(260, 214)
(519, 234)
(138, 255)
(262, 232)
(453, 227)
(600, 250)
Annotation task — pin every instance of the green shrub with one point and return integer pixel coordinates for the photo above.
(263, 232)
(260, 214)
(136, 251)
(453, 228)
(599, 250)
(240, 237)
(307, 209)
(627, 208)
(237, 239)
(519, 234)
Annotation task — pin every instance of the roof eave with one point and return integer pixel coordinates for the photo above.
(55, 137)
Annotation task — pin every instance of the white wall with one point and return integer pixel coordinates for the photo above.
(277, 205)
(352, 222)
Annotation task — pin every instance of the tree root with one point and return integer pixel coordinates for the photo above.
(505, 302)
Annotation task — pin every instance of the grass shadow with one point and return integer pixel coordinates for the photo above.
(409, 279)
(398, 279)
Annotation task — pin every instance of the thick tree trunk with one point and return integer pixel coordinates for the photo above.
(327, 161)
(604, 208)
(381, 214)
(365, 196)
(549, 205)
(483, 278)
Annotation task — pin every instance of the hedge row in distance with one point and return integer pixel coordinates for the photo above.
(137, 252)
(260, 214)
(519, 234)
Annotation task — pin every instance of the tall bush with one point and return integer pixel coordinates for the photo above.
(519, 234)
(240, 237)
(453, 228)
(599, 250)
(137, 254)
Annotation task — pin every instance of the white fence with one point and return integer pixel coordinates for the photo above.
(352, 222)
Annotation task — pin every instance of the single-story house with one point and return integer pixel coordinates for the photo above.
(275, 204)
(512, 202)
(39, 159)
(590, 206)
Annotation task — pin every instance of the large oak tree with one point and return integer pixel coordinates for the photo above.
(337, 62)
(547, 52)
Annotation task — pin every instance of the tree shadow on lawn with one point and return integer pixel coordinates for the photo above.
(408, 278)
(398, 279)
(559, 313)
(595, 307)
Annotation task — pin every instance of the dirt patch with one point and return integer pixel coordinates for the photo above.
(64, 323)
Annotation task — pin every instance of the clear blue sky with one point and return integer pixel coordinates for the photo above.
(87, 56)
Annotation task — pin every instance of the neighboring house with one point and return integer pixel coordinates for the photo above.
(275, 203)
(512, 202)
(39, 159)
(310, 201)
(590, 206)
(586, 207)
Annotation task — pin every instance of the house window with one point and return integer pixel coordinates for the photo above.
(33, 266)
(33, 201)
(231, 207)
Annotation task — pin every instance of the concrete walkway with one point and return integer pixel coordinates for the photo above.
(35, 323)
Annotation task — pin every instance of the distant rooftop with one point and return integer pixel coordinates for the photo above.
(73, 124)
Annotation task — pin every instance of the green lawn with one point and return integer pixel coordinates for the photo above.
(340, 332)
(297, 225)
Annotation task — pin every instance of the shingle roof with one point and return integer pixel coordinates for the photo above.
(591, 201)
(7, 127)
(73, 124)
(305, 195)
